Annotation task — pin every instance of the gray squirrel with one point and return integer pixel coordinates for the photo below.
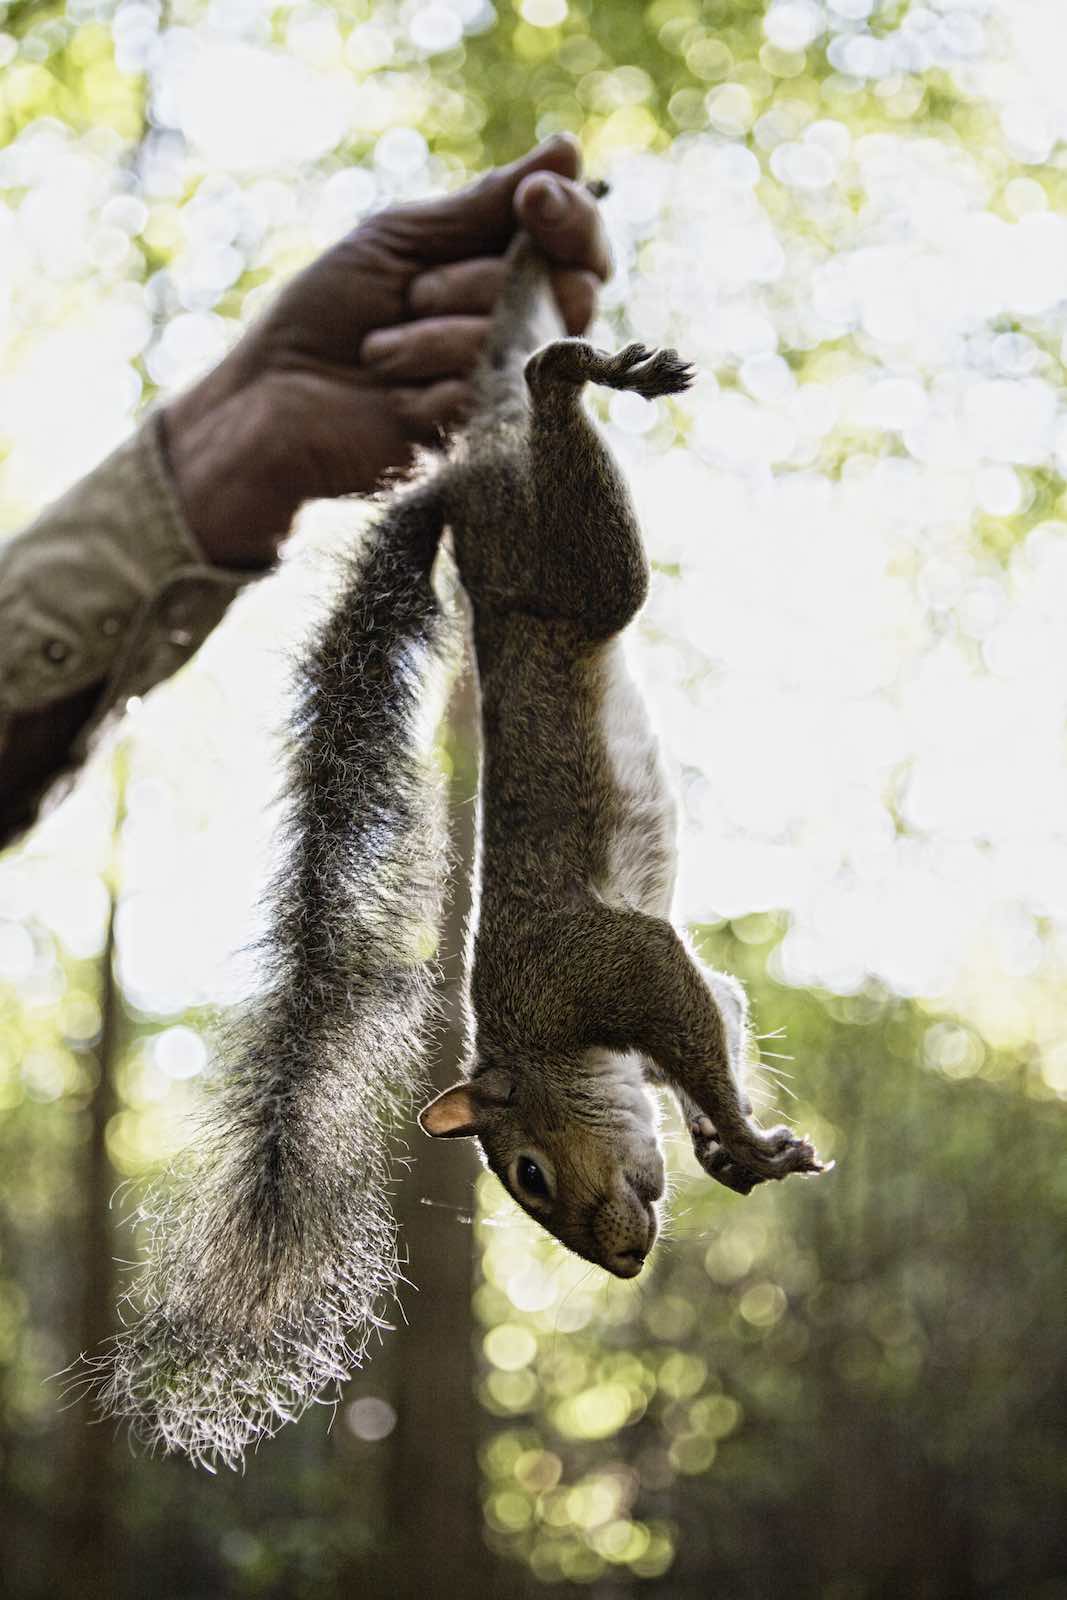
(271, 1260)
(581, 990)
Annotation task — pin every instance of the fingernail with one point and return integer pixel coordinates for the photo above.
(549, 201)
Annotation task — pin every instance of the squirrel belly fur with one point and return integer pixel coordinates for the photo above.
(273, 1255)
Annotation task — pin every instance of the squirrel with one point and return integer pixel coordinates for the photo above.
(270, 1261)
(581, 990)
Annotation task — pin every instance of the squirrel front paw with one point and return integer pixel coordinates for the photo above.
(775, 1152)
(715, 1161)
(753, 1156)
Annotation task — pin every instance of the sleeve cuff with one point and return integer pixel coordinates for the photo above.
(107, 586)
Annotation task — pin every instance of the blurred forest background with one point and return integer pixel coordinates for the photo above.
(852, 215)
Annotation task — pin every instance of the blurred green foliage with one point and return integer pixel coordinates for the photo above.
(853, 1387)
(849, 1389)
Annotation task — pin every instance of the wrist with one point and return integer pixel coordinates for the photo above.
(227, 460)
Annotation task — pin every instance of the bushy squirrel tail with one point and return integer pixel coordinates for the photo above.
(273, 1254)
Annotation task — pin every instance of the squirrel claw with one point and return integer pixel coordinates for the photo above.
(651, 372)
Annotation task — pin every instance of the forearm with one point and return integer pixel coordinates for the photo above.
(626, 980)
(240, 471)
(631, 984)
(104, 595)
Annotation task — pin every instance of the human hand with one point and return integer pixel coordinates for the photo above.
(368, 352)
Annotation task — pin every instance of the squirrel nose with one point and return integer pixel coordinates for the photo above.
(626, 1263)
(627, 1231)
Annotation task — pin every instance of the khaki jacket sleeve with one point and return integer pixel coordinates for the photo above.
(105, 594)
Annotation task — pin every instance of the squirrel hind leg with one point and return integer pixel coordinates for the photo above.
(573, 362)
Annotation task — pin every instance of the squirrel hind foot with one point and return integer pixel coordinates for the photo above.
(570, 363)
(649, 372)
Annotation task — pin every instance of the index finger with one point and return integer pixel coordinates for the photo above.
(565, 221)
(480, 219)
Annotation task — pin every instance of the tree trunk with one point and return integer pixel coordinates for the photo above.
(434, 1523)
(92, 1492)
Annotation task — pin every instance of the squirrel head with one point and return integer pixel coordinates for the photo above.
(573, 1140)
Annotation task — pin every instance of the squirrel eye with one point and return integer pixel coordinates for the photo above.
(532, 1178)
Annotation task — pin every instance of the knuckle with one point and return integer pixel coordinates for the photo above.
(403, 406)
(428, 292)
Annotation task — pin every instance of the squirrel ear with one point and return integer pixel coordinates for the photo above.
(453, 1115)
(460, 1111)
